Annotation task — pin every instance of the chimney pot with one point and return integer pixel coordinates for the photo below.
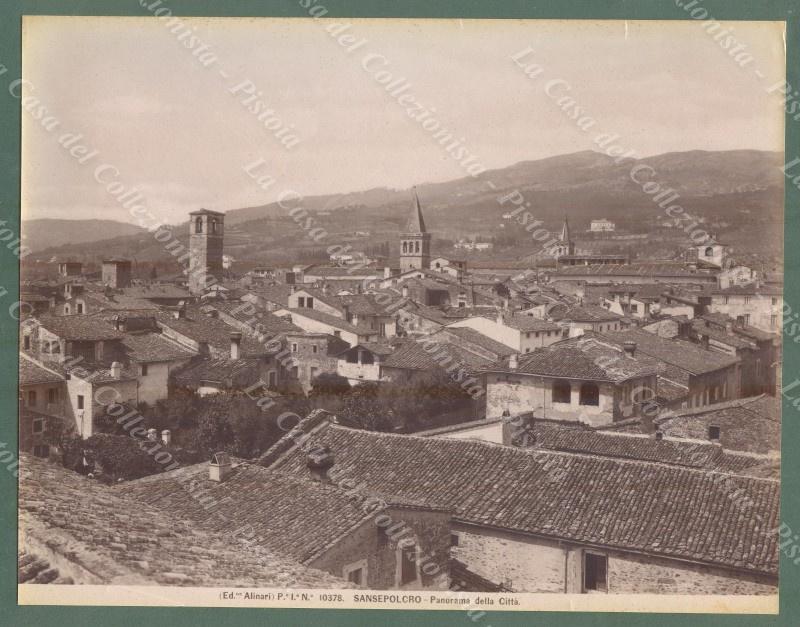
(513, 361)
(166, 437)
(319, 462)
(236, 341)
(220, 467)
(152, 434)
(116, 370)
(404, 291)
(630, 348)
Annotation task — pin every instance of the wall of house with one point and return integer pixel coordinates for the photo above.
(498, 332)
(83, 419)
(518, 394)
(715, 387)
(415, 324)
(531, 340)
(359, 372)
(311, 358)
(316, 304)
(636, 574)
(528, 564)
(486, 433)
(431, 531)
(315, 326)
(41, 405)
(154, 386)
(760, 309)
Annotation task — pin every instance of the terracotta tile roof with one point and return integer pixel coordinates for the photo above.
(338, 271)
(752, 289)
(412, 355)
(362, 305)
(633, 505)
(116, 301)
(153, 347)
(746, 424)
(278, 294)
(31, 373)
(581, 358)
(642, 447)
(471, 336)
(685, 355)
(634, 269)
(33, 568)
(670, 391)
(701, 327)
(289, 514)
(229, 373)
(116, 539)
(262, 321)
(155, 292)
(337, 323)
(78, 327)
(201, 327)
(522, 322)
(721, 320)
(584, 313)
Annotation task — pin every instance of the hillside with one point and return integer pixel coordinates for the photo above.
(46, 233)
(734, 192)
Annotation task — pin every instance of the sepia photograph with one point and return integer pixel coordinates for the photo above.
(421, 314)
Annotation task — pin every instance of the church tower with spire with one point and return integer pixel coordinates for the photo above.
(415, 242)
(565, 246)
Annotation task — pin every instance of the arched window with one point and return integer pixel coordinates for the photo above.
(405, 247)
(416, 246)
(213, 225)
(198, 225)
(710, 251)
(562, 391)
(590, 394)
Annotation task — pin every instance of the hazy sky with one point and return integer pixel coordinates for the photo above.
(175, 132)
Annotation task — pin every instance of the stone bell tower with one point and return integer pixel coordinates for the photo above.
(206, 230)
(415, 242)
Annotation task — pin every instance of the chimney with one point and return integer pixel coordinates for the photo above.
(119, 323)
(499, 318)
(729, 327)
(404, 291)
(387, 273)
(513, 361)
(166, 437)
(658, 434)
(220, 467)
(704, 341)
(630, 348)
(319, 462)
(152, 434)
(236, 341)
(116, 370)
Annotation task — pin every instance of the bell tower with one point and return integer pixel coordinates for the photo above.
(565, 245)
(415, 242)
(206, 230)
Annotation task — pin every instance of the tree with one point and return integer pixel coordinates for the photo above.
(366, 407)
(328, 384)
